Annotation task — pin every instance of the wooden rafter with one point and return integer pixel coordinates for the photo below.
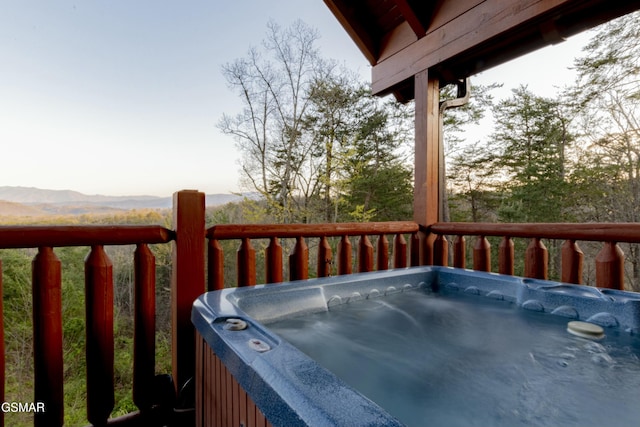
(411, 17)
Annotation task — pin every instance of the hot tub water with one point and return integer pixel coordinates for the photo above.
(464, 360)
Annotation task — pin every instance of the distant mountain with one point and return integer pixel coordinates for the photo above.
(30, 195)
(67, 201)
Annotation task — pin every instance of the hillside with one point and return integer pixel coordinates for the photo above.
(30, 201)
(18, 209)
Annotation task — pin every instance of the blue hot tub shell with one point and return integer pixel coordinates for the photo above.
(291, 389)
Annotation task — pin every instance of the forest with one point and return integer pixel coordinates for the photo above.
(318, 147)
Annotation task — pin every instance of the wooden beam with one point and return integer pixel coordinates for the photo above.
(488, 19)
(463, 42)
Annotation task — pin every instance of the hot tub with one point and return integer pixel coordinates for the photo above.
(418, 346)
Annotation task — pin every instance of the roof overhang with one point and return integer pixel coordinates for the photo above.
(458, 38)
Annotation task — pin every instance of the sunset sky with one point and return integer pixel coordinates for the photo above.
(122, 97)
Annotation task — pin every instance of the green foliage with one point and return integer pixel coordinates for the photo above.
(520, 176)
(18, 325)
(380, 193)
(532, 139)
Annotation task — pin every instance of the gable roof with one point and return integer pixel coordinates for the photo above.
(458, 38)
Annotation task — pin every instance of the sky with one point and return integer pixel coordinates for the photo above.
(122, 97)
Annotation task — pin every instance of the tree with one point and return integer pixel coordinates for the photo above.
(471, 185)
(378, 181)
(274, 89)
(313, 138)
(607, 94)
(331, 123)
(532, 139)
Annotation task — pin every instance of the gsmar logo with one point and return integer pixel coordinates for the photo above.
(22, 407)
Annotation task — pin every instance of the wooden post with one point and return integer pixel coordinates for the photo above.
(365, 254)
(187, 279)
(325, 255)
(572, 258)
(506, 256)
(426, 198)
(536, 260)
(273, 261)
(99, 343)
(610, 267)
(246, 263)
(47, 337)
(482, 254)
(144, 335)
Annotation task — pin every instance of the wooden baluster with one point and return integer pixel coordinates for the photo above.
(482, 254)
(47, 337)
(459, 252)
(344, 256)
(441, 251)
(215, 266)
(325, 257)
(144, 335)
(246, 263)
(2, 356)
(382, 255)
(299, 260)
(572, 258)
(506, 256)
(610, 267)
(273, 260)
(99, 331)
(427, 243)
(365, 254)
(399, 251)
(536, 261)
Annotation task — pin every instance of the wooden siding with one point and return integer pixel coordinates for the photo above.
(220, 400)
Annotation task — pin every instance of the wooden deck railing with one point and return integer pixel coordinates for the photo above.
(609, 262)
(47, 314)
(187, 283)
(401, 255)
(411, 244)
